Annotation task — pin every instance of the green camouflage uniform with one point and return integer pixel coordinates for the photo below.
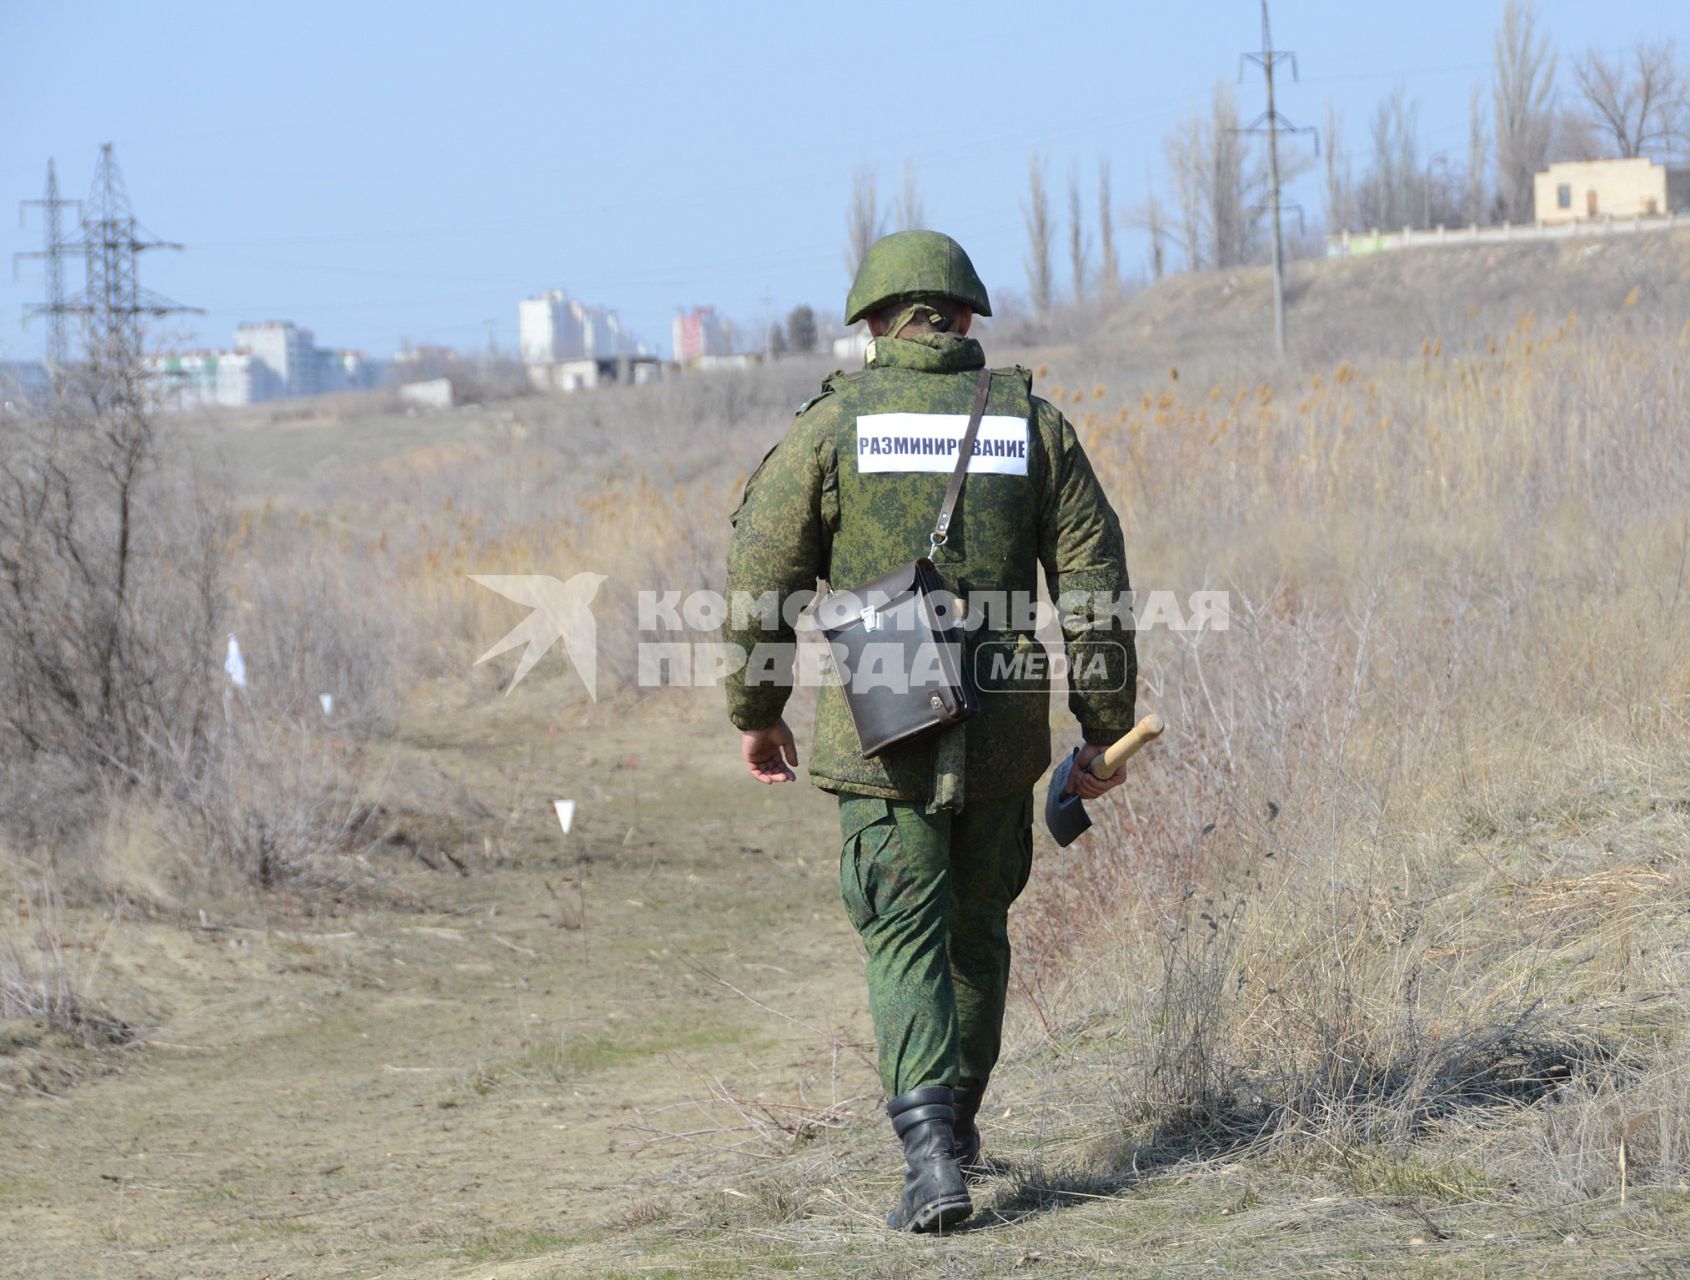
(937, 835)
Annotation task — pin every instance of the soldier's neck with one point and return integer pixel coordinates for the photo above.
(927, 352)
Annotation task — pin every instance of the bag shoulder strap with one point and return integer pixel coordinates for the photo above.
(965, 451)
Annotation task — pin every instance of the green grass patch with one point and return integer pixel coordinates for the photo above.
(515, 1242)
(571, 1057)
(1414, 1177)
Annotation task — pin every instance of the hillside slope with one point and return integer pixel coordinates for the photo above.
(1388, 304)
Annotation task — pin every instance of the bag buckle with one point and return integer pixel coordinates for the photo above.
(871, 618)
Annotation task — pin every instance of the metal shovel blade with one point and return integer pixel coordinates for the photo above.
(1065, 813)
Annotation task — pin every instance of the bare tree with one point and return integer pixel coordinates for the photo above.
(1040, 232)
(1158, 237)
(1340, 185)
(910, 214)
(1231, 192)
(1473, 202)
(1639, 101)
(110, 583)
(1079, 248)
(1390, 195)
(1222, 191)
(1109, 269)
(863, 223)
(801, 334)
(1150, 218)
(1523, 89)
(1576, 135)
(1184, 149)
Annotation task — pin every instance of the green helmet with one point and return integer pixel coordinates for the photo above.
(909, 264)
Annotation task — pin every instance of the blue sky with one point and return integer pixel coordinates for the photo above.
(380, 170)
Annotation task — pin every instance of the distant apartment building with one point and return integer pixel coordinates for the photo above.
(294, 365)
(1589, 190)
(560, 339)
(271, 360)
(202, 379)
(553, 327)
(424, 363)
(698, 333)
(286, 351)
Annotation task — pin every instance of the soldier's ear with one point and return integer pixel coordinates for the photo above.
(964, 318)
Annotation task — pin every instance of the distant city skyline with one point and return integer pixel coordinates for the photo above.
(381, 171)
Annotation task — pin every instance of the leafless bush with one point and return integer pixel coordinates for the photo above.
(42, 982)
(110, 594)
(115, 594)
(280, 804)
(1613, 1135)
(313, 625)
(1346, 900)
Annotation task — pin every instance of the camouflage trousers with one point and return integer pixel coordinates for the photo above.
(929, 894)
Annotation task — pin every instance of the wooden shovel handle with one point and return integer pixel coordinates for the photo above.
(1146, 730)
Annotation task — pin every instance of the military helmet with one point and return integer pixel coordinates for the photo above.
(908, 264)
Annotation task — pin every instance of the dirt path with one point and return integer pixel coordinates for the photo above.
(494, 1084)
(434, 1092)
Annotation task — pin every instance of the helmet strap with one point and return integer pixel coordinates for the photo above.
(935, 320)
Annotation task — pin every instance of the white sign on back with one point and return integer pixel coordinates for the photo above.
(888, 442)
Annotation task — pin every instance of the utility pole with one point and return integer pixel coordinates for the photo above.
(53, 253)
(113, 302)
(1271, 123)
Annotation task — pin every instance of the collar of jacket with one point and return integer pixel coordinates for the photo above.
(927, 353)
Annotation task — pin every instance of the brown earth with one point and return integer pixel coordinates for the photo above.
(640, 1050)
(483, 1073)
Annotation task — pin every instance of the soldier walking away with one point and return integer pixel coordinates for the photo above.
(937, 835)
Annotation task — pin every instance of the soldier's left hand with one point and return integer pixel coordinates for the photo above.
(1087, 785)
(770, 754)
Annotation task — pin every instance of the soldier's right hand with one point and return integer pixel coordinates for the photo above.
(770, 754)
(1084, 783)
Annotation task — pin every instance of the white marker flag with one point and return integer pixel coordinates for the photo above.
(565, 813)
(327, 699)
(234, 664)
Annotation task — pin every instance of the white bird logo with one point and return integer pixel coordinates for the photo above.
(560, 612)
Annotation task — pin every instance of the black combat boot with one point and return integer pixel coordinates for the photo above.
(935, 1196)
(967, 1098)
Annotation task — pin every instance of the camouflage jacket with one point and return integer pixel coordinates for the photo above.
(825, 504)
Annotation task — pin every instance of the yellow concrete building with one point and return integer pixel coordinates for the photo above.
(1591, 190)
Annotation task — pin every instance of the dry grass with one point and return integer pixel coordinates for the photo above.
(1364, 892)
(1413, 858)
(49, 973)
(1390, 926)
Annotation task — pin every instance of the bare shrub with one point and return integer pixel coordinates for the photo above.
(1395, 873)
(115, 594)
(42, 982)
(110, 594)
(1613, 1135)
(279, 805)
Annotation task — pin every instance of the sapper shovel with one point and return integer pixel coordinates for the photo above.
(1065, 812)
